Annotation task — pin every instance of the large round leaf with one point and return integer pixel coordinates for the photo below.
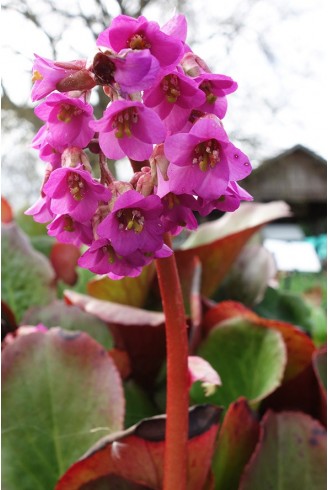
(249, 359)
(291, 454)
(60, 392)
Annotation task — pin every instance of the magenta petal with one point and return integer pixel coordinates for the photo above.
(176, 27)
(135, 149)
(178, 148)
(110, 145)
(149, 128)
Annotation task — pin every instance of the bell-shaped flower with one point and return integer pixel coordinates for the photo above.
(140, 34)
(128, 128)
(204, 161)
(173, 98)
(67, 120)
(74, 192)
(67, 230)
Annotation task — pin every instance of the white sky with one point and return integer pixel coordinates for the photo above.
(294, 82)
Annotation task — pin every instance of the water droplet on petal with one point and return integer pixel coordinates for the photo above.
(236, 155)
(246, 164)
(183, 189)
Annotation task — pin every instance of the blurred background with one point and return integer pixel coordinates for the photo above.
(275, 51)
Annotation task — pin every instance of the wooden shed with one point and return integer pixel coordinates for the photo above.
(297, 176)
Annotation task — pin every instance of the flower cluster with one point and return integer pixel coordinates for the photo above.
(165, 111)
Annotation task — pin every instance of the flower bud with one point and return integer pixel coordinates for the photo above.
(159, 160)
(193, 65)
(74, 156)
(81, 80)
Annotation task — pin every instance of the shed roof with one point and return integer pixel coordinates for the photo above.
(298, 175)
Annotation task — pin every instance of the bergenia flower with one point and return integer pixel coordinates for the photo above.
(74, 192)
(228, 202)
(203, 161)
(173, 98)
(40, 210)
(47, 74)
(132, 70)
(130, 129)
(140, 34)
(67, 230)
(215, 88)
(134, 224)
(47, 152)
(102, 258)
(67, 120)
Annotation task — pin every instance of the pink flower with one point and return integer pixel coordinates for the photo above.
(67, 230)
(228, 202)
(128, 128)
(67, 119)
(74, 192)
(173, 98)
(134, 224)
(215, 87)
(139, 34)
(132, 70)
(46, 152)
(204, 161)
(47, 74)
(102, 258)
(40, 210)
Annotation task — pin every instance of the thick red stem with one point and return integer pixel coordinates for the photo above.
(176, 437)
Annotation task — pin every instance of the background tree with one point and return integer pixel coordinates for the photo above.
(256, 42)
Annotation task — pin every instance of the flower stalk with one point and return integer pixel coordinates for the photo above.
(176, 437)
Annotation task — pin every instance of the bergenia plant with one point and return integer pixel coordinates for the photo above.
(164, 118)
(164, 113)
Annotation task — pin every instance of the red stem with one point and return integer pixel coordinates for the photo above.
(176, 437)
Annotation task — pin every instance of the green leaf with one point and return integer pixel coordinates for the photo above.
(60, 393)
(70, 317)
(291, 307)
(249, 359)
(291, 454)
(27, 276)
(138, 404)
(237, 440)
(132, 291)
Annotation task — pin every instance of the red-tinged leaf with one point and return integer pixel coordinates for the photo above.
(141, 333)
(132, 291)
(223, 311)
(238, 437)
(60, 389)
(122, 362)
(218, 243)
(70, 317)
(291, 454)
(299, 346)
(300, 393)
(136, 454)
(320, 370)
(64, 257)
(6, 212)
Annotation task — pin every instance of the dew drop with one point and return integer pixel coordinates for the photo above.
(236, 155)
(183, 189)
(246, 164)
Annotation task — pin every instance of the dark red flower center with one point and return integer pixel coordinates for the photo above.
(130, 219)
(123, 121)
(206, 154)
(170, 85)
(138, 41)
(76, 186)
